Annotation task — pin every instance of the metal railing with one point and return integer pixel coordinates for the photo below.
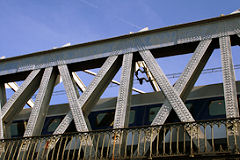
(170, 140)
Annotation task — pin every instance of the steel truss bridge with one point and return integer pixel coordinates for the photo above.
(40, 71)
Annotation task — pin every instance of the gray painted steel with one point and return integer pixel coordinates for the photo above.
(187, 79)
(121, 117)
(3, 100)
(16, 103)
(185, 82)
(229, 86)
(72, 95)
(169, 92)
(229, 80)
(40, 108)
(169, 36)
(172, 95)
(93, 92)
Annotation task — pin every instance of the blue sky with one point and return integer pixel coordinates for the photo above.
(31, 26)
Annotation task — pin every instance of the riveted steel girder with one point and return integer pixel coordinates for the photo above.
(121, 117)
(230, 90)
(187, 79)
(71, 92)
(173, 99)
(155, 39)
(41, 105)
(229, 80)
(3, 100)
(93, 92)
(15, 104)
(170, 93)
(185, 82)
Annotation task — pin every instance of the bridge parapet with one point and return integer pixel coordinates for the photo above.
(172, 140)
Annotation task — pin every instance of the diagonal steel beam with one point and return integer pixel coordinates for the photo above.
(40, 108)
(71, 92)
(171, 95)
(15, 104)
(14, 86)
(229, 80)
(93, 92)
(79, 82)
(113, 81)
(187, 79)
(170, 92)
(88, 99)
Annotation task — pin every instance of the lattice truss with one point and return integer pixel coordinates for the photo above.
(44, 80)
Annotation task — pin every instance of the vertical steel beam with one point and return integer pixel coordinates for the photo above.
(40, 108)
(122, 111)
(71, 92)
(15, 104)
(3, 100)
(89, 98)
(121, 117)
(229, 87)
(229, 80)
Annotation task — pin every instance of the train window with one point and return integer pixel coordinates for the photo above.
(17, 129)
(105, 119)
(53, 124)
(188, 105)
(217, 108)
(152, 113)
(132, 117)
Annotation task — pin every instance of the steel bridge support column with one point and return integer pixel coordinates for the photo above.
(88, 99)
(40, 109)
(230, 91)
(15, 104)
(184, 84)
(3, 100)
(121, 118)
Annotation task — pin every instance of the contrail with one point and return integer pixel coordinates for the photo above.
(118, 18)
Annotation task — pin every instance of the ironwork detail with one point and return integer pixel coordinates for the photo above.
(159, 38)
(123, 101)
(229, 84)
(40, 108)
(187, 79)
(3, 100)
(71, 91)
(167, 89)
(15, 104)
(89, 97)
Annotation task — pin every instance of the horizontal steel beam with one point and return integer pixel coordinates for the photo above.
(153, 39)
